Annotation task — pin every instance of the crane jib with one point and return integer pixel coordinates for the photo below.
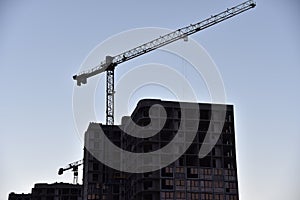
(111, 62)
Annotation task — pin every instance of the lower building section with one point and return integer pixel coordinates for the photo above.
(55, 191)
(14, 196)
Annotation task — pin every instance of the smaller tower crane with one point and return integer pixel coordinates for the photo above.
(74, 166)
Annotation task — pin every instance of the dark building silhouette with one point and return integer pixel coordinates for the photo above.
(55, 191)
(211, 177)
(14, 196)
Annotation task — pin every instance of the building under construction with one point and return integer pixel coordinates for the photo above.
(189, 177)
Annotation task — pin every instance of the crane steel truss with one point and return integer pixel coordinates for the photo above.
(111, 62)
(74, 166)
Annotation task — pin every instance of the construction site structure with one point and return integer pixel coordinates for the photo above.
(74, 166)
(190, 177)
(110, 62)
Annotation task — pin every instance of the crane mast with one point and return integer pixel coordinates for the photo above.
(111, 62)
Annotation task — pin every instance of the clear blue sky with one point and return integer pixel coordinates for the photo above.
(43, 43)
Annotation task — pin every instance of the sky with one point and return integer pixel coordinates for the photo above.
(44, 43)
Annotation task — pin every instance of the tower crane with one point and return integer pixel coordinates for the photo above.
(74, 166)
(110, 62)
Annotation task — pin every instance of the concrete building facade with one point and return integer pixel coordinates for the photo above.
(189, 177)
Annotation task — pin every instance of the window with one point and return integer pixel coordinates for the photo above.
(190, 124)
(208, 184)
(179, 170)
(229, 172)
(95, 177)
(145, 197)
(180, 184)
(147, 185)
(230, 129)
(192, 196)
(147, 148)
(50, 191)
(95, 166)
(219, 197)
(232, 185)
(74, 191)
(231, 197)
(218, 184)
(96, 135)
(218, 171)
(167, 184)
(167, 172)
(192, 173)
(207, 196)
(167, 195)
(116, 188)
(65, 191)
(229, 118)
(205, 162)
(96, 145)
(207, 171)
(192, 185)
(181, 161)
(180, 195)
(148, 174)
(205, 114)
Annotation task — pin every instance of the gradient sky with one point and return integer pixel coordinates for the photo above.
(43, 43)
